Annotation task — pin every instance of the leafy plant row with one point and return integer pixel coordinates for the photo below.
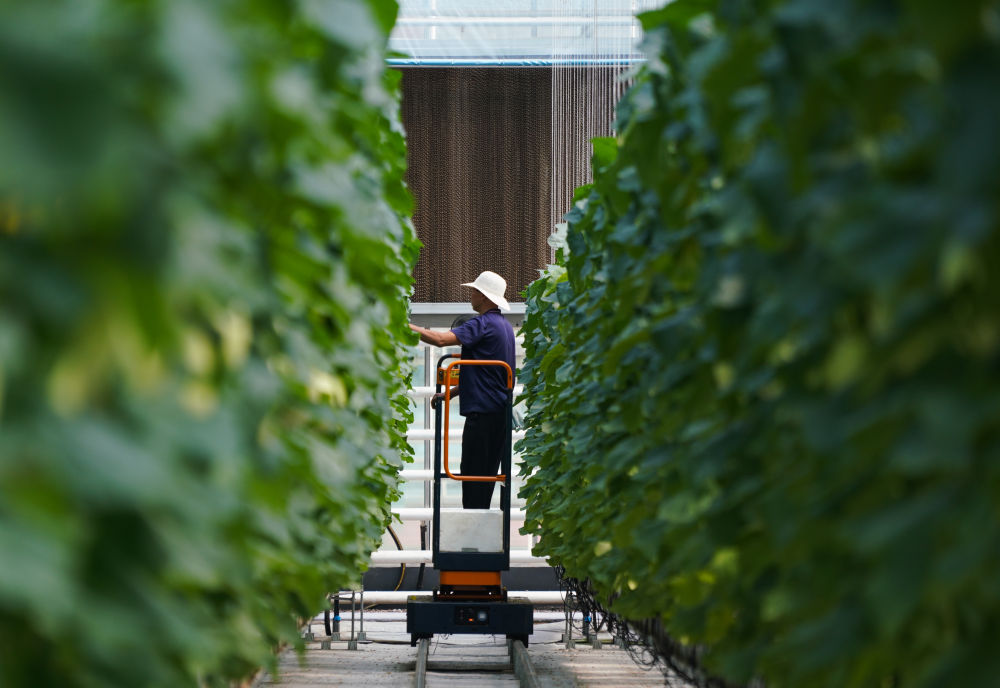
(204, 274)
(762, 379)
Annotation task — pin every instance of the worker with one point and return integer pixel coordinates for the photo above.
(482, 390)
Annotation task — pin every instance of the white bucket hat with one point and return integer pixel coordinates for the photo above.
(492, 286)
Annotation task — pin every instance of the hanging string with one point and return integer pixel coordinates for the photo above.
(593, 44)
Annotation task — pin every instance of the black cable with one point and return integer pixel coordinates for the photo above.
(402, 567)
(646, 641)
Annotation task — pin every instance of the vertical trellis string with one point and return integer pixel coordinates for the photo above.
(593, 43)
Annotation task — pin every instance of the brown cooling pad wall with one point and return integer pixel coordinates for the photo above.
(479, 159)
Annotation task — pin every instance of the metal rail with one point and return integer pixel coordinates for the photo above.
(420, 674)
(523, 669)
(519, 658)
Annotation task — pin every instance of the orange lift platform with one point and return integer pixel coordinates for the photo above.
(471, 547)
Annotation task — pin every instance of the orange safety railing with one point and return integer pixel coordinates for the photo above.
(447, 401)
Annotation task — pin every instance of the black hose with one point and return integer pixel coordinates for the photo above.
(402, 567)
(333, 627)
(423, 546)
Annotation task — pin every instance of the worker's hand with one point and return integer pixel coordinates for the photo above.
(436, 400)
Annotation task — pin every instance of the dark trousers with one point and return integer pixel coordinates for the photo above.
(484, 441)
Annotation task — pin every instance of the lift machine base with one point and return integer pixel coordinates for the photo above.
(470, 598)
(426, 617)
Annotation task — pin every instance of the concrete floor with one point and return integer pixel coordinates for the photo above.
(386, 659)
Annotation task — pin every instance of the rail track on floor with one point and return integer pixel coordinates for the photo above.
(491, 670)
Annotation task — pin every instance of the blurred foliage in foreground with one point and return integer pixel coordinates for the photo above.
(204, 269)
(763, 379)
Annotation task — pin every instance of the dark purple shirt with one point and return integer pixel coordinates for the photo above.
(487, 337)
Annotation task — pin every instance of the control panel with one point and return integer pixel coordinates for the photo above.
(472, 616)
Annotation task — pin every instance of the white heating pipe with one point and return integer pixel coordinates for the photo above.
(421, 392)
(399, 596)
(395, 557)
(454, 434)
(416, 474)
(606, 19)
(426, 513)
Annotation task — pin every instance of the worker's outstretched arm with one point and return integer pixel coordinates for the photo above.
(435, 338)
